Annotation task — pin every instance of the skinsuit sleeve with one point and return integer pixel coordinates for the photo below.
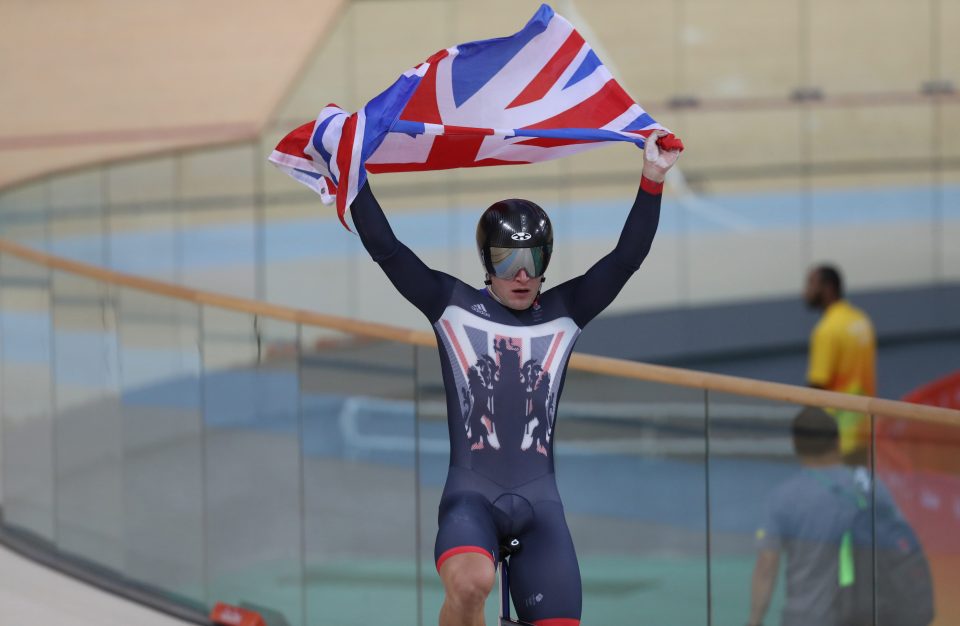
(427, 289)
(591, 293)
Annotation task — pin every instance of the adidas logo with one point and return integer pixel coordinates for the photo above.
(480, 310)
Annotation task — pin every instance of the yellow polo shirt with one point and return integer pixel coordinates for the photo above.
(843, 357)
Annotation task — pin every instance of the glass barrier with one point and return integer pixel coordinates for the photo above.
(163, 488)
(359, 480)
(88, 426)
(29, 465)
(77, 227)
(632, 469)
(252, 474)
(761, 493)
(25, 214)
(208, 455)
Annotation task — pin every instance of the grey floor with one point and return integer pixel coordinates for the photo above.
(33, 595)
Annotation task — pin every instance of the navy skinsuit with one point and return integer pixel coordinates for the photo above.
(503, 371)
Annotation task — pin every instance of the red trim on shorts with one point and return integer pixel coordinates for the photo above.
(465, 550)
(652, 188)
(557, 621)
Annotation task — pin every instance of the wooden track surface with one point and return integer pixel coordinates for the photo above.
(91, 80)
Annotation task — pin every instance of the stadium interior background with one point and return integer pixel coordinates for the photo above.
(210, 454)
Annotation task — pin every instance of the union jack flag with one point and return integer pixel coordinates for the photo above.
(537, 95)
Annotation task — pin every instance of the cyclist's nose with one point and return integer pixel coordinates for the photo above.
(522, 276)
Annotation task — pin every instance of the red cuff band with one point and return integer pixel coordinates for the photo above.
(652, 188)
(463, 550)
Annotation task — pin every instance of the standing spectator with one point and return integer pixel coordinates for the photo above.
(843, 355)
(805, 522)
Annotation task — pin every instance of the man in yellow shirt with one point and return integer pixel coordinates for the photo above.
(843, 356)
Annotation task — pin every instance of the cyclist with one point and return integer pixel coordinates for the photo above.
(503, 353)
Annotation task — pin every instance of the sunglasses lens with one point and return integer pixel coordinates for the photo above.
(507, 262)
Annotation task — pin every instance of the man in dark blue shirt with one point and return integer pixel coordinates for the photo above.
(503, 352)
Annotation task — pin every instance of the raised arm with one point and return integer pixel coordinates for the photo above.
(591, 293)
(425, 288)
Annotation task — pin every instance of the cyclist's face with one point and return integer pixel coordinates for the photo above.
(519, 292)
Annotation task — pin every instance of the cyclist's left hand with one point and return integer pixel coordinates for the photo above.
(657, 160)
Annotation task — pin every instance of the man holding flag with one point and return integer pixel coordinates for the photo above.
(537, 95)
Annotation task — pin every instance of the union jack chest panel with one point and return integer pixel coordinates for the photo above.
(507, 377)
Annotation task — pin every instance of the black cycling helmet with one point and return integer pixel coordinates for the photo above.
(514, 234)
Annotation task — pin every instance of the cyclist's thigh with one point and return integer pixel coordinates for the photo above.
(545, 575)
(465, 525)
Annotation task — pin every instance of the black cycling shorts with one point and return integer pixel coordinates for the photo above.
(544, 575)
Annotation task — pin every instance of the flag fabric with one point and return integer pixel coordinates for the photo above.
(539, 94)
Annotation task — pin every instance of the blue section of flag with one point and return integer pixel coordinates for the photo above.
(383, 112)
(317, 139)
(479, 61)
(408, 128)
(308, 173)
(578, 134)
(643, 121)
(590, 63)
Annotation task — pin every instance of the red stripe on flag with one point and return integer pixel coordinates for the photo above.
(297, 140)
(598, 110)
(548, 76)
(332, 188)
(422, 106)
(344, 159)
(643, 133)
(466, 130)
(450, 151)
(486, 162)
(385, 168)
(551, 142)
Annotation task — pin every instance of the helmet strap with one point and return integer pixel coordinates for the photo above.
(494, 295)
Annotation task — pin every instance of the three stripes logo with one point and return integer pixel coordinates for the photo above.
(479, 309)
